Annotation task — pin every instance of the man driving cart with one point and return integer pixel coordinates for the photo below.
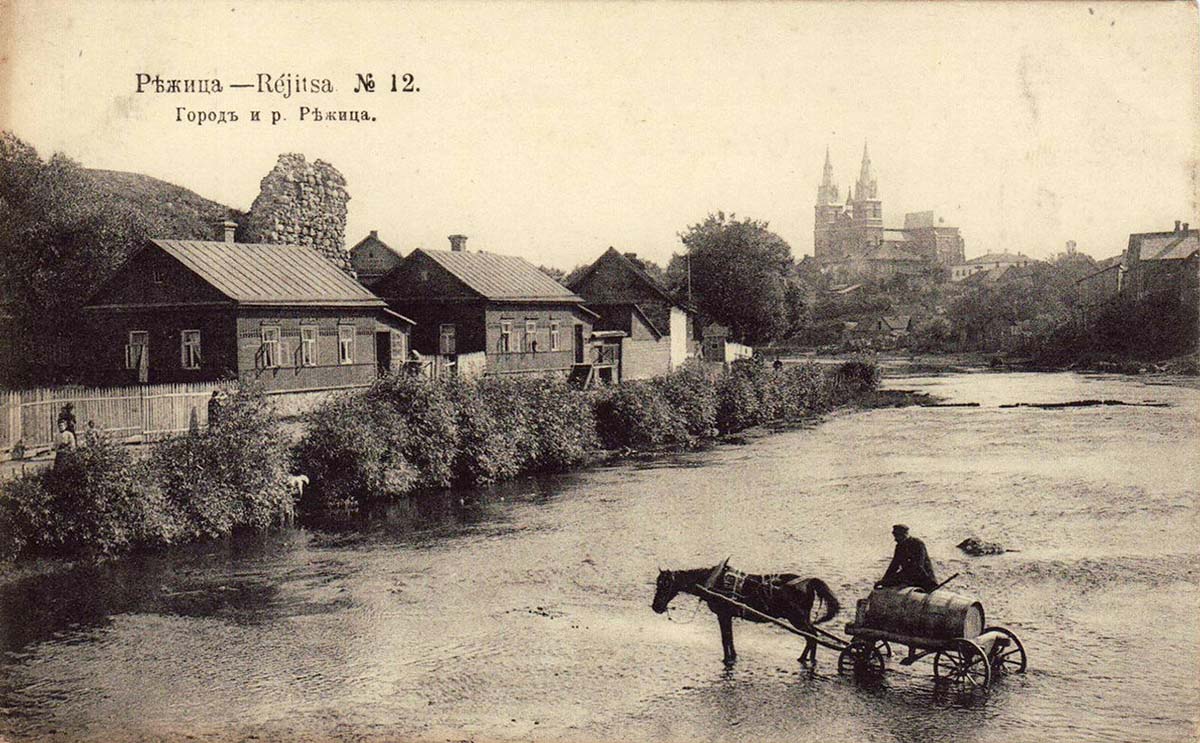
(910, 563)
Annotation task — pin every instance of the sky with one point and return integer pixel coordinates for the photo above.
(552, 131)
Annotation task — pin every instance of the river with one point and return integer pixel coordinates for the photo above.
(523, 613)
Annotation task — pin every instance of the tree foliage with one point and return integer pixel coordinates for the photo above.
(64, 229)
(739, 276)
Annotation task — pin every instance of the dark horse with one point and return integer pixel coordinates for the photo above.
(781, 595)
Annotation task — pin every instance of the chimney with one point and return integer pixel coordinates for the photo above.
(1070, 247)
(375, 234)
(1185, 226)
(458, 243)
(225, 230)
(1177, 225)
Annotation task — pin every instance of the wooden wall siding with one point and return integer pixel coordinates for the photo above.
(519, 361)
(153, 277)
(641, 359)
(290, 375)
(419, 277)
(467, 318)
(104, 352)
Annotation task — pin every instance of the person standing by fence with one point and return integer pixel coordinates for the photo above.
(67, 415)
(214, 409)
(66, 441)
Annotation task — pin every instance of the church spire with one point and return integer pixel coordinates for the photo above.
(827, 192)
(866, 182)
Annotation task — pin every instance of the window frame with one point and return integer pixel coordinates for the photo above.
(308, 346)
(271, 348)
(130, 345)
(529, 341)
(346, 341)
(506, 345)
(555, 339)
(447, 349)
(184, 345)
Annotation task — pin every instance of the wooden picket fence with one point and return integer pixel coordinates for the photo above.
(129, 414)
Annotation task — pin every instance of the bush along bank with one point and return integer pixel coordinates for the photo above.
(400, 436)
(405, 434)
(99, 499)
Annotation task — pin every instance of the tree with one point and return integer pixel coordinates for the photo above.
(555, 273)
(58, 238)
(739, 272)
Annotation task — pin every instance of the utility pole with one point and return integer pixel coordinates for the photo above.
(689, 277)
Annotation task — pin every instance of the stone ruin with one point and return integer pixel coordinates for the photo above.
(302, 203)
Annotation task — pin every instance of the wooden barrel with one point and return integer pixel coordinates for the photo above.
(941, 615)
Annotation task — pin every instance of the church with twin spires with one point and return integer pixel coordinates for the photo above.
(850, 242)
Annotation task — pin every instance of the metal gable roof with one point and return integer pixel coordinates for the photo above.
(501, 277)
(1166, 249)
(262, 274)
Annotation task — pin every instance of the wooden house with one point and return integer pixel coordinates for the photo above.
(372, 258)
(481, 313)
(281, 315)
(660, 329)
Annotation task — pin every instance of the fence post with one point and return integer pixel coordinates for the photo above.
(14, 418)
(144, 398)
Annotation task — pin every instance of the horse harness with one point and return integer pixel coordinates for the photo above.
(758, 591)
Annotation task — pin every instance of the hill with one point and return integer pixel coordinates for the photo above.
(165, 209)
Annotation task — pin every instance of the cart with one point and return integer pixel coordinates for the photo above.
(949, 626)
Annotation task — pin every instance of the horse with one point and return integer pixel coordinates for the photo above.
(780, 595)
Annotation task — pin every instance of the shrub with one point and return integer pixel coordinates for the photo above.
(95, 500)
(233, 475)
(352, 451)
(638, 415)
(562, 422)
(495, 440)
(691, 394)
(857, 377)
(430, 419)
(737, 403)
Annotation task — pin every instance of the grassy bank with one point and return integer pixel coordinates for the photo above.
(402, 436)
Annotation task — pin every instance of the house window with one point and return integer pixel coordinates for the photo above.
(308, 345)
(345, 344)
(270, 347)
(554, 335)
(135, 352)
(446, 343)
(531, 336)
(189, 349)
(505, 336)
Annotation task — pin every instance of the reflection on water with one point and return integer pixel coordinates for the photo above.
(523, 612)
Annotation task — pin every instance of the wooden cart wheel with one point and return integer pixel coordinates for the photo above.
(963, 663)
(1010, 659)
(861, 658)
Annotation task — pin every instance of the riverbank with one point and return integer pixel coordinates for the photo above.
(521, 611)
(401, 438)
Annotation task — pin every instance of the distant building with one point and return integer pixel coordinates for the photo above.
(660, 329)
(717, 346)
(280, 315)
(372, 258)
(990, 262)
(850, 241)
(481, 313)
(1163, 262)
